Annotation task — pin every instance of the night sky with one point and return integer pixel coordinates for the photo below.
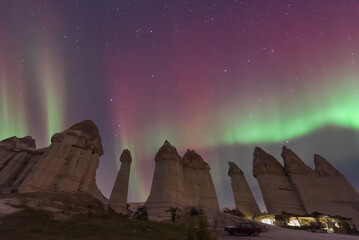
(219, 77)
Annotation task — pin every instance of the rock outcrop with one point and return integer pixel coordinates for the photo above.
(243, 197)
(312, 192)
(167, 184)
(118, 198)
(10, 145)
(323, 190)
(278, 192)
(180, 183)
(342, 196)
(198, 189)
(17, 158)
(69, 164)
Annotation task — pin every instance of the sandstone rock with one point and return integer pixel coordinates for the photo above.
(243, 197)
(323, 167)
(324, 190)
(167, 185)
(17, 157)
(182, 183)
(69, 164)
(278, 192)
(118, 198)
(199, 189)
(61, 205)
(18, 143)
(293, 164)
(343, 198)
(312, 192)
(9, 145)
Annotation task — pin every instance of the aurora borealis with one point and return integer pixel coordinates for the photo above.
(218, 77)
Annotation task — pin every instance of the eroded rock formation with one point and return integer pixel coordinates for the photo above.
(69, 164)
(278, 192)
(118, 198)
(343, 198)
(17, 158)
(199, 189)
(167, 183)
(324, 190)
(180, 183)
(243, 197)
(312, 192)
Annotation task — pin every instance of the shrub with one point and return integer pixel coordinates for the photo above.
(174, 211)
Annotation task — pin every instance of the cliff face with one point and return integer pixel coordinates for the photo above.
(118, 198)
(243, 196)
(180, 183)
(278, 192)
(69, 164)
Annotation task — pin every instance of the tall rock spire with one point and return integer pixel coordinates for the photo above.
(118, 198)
(167, 184)
(198, 188)
(341, 197)
(180, 182)
(278, 192)
(323, 167)
(293, 164)
(265, 163)
(305, 180)
(243, 196)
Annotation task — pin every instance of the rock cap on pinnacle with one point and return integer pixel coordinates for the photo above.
(18, 143)
(292, 163)
(233, 169)
(86, 133)
(323, 167)
(265, 163)
(126, 156)
(167, 151)
(194, 160)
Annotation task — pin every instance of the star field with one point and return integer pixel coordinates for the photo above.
(219, 77)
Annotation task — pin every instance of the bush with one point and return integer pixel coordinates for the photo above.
(234, 212)
(202, 232)
(174, 211)
(141, 214)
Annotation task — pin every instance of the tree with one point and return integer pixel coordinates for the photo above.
(174, 211)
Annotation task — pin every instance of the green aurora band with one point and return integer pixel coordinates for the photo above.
(50, 80)
(12, 113)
